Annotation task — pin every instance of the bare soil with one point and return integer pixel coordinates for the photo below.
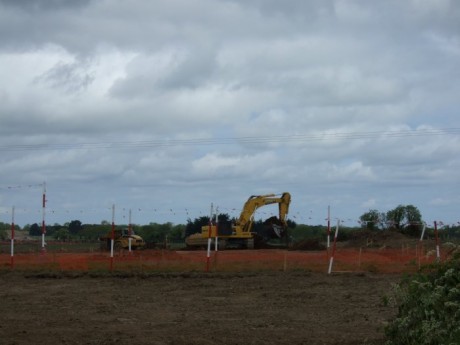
(194, 308)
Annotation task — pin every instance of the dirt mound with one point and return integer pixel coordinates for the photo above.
(378, 239)
(309, 244)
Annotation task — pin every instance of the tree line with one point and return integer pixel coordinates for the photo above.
(75, 230)
(406, 219)
(403, 218)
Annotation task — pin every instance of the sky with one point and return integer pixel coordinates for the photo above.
(159, 109)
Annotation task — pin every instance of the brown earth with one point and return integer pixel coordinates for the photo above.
(293, 307)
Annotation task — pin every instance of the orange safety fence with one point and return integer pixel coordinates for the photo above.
(387, 260)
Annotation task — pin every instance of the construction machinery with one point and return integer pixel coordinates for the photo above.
(121, 240)
(241, 233)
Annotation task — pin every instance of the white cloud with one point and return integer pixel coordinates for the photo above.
(440, 202)
(369, 204)
(428, 7)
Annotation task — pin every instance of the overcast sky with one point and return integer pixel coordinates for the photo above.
(164, 107)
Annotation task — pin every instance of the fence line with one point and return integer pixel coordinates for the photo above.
(88, 257)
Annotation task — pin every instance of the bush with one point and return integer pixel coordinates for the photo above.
(429, 307)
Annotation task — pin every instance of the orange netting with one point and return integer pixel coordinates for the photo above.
(389, 260)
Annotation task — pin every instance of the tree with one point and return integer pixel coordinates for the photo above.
(51, 229)
(223, 218)
(75, 227)
(406, 219)
(396, 216)
(413, 214)
(154, 232)
(194, 226)
(413, 220)
(371, 219)
(3, 230)
(177, 233)
(35, 230)
(291, 224)
(62, 234)
(94, 231)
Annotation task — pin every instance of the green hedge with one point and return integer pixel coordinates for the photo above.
(429, 307)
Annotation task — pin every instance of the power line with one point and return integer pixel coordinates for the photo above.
(296, 138)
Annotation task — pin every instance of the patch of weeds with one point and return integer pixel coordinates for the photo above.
(372, 268)
(428, 307)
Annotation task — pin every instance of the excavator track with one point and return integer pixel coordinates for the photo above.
(250, 243)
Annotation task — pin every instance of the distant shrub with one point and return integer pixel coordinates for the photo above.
(429, 307)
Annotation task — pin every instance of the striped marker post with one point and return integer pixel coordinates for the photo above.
(208, 253)
(12, 238)
(331, 260)
(129, 232)
(328, 227)
(43, 217)
(112, 239)
(438, 253)
(216, 237)
(423, 231)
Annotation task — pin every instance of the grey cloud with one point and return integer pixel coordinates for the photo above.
(67, 77)
(31, 24)
(44, 5)
(194, 71)
(175, 70)
(106, 72)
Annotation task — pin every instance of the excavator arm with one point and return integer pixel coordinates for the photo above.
(254, 202)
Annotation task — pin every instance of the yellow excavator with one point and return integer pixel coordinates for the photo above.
(121, 240)
(241, 234)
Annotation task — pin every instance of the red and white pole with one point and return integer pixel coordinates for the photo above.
(438, 253)
(43, 216)
(12, 238)
(112, 238)
(129, 231)
(331, 260)
(328, 227)
(208, 253)
(216, 238)
(423, 231)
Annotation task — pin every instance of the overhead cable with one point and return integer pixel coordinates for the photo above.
(294, 138)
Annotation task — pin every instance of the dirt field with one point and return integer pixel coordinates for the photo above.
(290, 307)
